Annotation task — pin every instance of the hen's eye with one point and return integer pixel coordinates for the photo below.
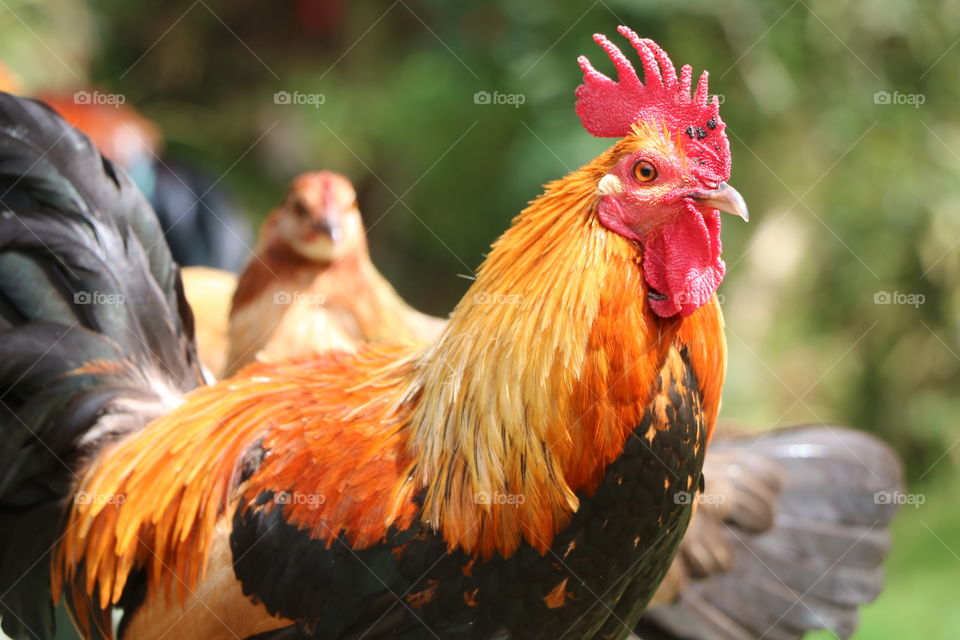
(300, 209)
(644, 171)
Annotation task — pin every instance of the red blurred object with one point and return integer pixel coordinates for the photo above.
(119, 131)
(318, 17)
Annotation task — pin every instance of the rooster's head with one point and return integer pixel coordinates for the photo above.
(666, 181)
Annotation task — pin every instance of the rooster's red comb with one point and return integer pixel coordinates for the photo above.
(608, 108)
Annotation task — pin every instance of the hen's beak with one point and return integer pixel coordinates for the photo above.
(725, 198)
(328, 228)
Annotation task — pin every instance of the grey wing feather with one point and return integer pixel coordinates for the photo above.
(790, 536)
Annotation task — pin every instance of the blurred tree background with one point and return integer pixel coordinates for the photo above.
(841, 302)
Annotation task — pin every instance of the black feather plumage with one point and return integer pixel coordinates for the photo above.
(86, 279)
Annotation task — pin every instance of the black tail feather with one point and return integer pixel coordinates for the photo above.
(96, 338)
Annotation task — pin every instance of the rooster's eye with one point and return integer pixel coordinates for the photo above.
(644, 171)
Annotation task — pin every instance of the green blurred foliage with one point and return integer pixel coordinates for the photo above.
(849, 197)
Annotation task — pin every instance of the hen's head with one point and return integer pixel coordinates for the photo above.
(318, 217)
(666, 182)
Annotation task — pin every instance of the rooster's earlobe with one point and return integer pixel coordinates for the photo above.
(609, 185)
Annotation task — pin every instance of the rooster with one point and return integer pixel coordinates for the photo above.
(310, 285)
(516, 478)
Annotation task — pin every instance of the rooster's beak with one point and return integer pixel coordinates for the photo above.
(725, 198)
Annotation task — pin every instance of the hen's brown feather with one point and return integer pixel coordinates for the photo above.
(209, 292)
(295, 300)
